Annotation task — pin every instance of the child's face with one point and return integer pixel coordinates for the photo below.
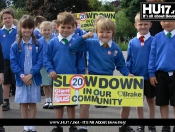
(168, 25)
(46, 31)
(7, 19)
(54, 26)
(105, 35)
(65, 29)
(26, 32)
(142, 27)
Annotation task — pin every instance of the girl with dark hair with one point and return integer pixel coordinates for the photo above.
(26, 57)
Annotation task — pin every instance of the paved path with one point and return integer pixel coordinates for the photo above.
(110, 112)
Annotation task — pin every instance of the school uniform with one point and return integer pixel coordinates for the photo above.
(137, 61)
(37, 33)
(55, 34)
(27, 59)
(62, 60)
(162, 65)
(79, 32)
(102, 61)
(7, 38)
(46, 80)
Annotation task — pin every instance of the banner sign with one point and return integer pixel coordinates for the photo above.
(157, 11)
(98, 90)
(85, 20)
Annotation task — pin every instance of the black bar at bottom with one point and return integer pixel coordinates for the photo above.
(88, 122)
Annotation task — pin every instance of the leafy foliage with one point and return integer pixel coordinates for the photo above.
(2, 4)
(19, 3)
(108, 7)
(131, 7)
(19, 12)
(95, 5)
(124, 28)
(50, 8)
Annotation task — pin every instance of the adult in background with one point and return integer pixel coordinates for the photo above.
(156, 27)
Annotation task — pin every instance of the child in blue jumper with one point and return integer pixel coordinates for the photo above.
(26, 57)
(137, 62)
(8, 35)
(46, 31)
(59, 59)
(104, 55)
(162, 69)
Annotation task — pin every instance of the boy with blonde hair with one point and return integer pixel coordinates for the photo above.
(99, 64)
(137, 63)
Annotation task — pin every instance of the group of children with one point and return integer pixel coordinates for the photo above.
(37, 62)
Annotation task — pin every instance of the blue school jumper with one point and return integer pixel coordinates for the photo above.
(44, 43)
(37, 33)
(162, 54)
(61, 59)
(27, 60)
(46, 80)
(102, 61)
(17, 59)
(138, 57)
(7, 39)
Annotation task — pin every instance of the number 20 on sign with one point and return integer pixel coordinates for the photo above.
(77, 82)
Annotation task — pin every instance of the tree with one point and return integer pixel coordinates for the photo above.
(124, 28)
(2, 4)
(19, 3)
(131, 7)
(95, 5)
(108, 7)
(50, 8)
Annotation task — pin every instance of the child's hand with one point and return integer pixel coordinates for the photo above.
(29, 82)
(130, 75)
(1, 78)
(27, 78)
(53, 75)
(88, 35)
(153, 81)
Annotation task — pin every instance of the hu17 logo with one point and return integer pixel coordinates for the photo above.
(157, 11)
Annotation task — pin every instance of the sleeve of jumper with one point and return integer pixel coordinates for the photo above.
(152, 59)
(14, 62)
(79, 45)
(129, 57)
(39, 63)
(1, 61)
(80, 63)
(48, 60)
(120, 63)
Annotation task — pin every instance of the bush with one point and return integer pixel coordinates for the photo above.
(19, 12)
(124, 28)
(123, 46)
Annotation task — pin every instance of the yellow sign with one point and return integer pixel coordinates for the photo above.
(85, 19)
(98, 90)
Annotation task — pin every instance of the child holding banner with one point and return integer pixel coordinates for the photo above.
(60, 59)
(162, 70)
(137, 63)
(26, 59)
(104, 56)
